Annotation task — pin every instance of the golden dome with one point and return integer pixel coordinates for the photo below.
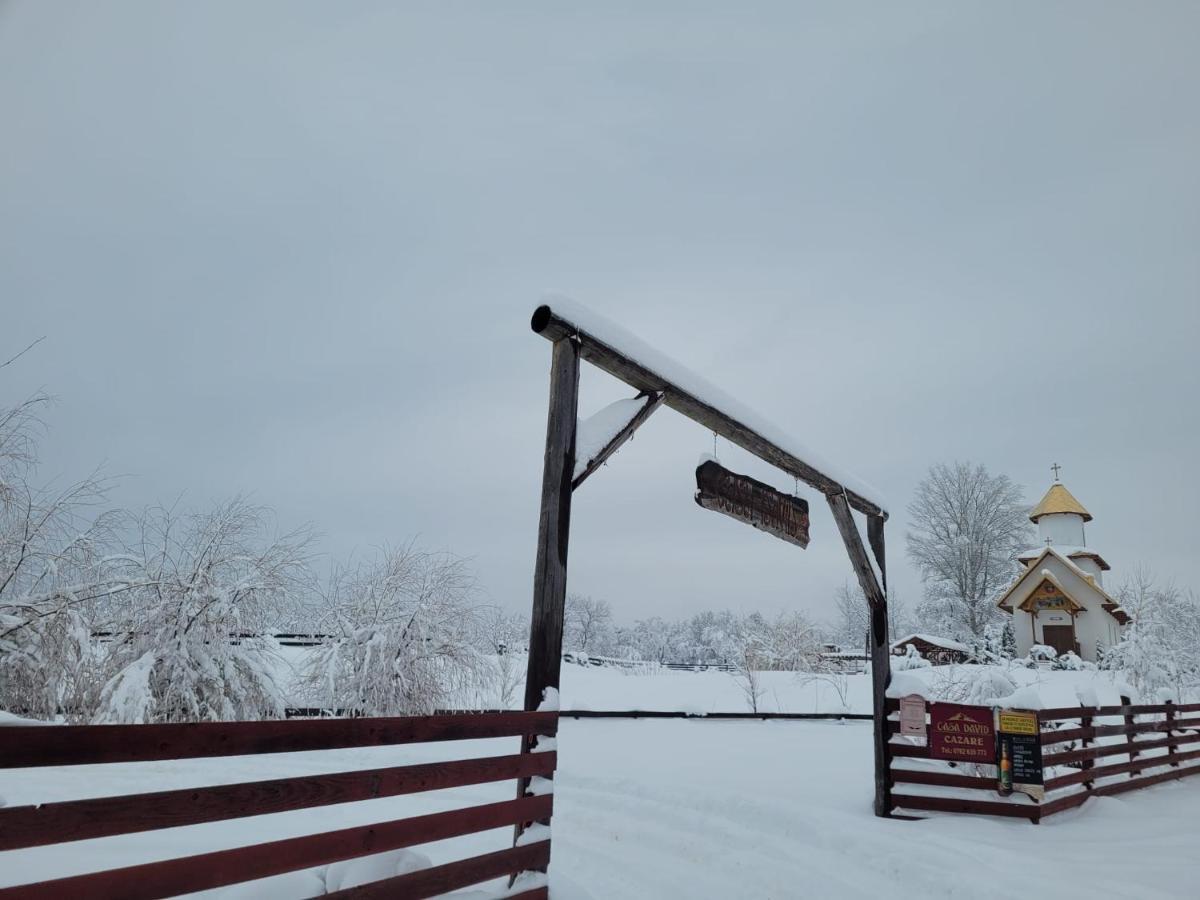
(1059, 500)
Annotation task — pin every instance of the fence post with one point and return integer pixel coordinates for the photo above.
(1170, 719)
(1129, 735)
(1085, 721)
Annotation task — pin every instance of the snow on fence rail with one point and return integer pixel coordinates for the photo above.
(54, 823)
(1153, 737)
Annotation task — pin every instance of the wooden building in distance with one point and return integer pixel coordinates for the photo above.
(939, 651)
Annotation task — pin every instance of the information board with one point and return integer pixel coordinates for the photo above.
(1019, 753)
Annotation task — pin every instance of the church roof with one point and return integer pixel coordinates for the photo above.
(1059, 500)
(1069, 552)
(1110, 605)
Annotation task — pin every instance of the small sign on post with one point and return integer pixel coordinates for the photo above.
(1019, 755)
(912, 716)
(962, 733)
(748, 500)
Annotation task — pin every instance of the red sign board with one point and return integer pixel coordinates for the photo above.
(962, 733)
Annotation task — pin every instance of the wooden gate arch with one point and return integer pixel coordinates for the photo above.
(577, 334)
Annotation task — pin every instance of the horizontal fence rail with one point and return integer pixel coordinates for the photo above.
(72, 745)
(61, 822)
(675, 714)
(1161, 742)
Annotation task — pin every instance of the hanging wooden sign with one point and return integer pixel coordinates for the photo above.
(748, 500)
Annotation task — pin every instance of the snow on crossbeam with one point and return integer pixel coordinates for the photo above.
(625, 356)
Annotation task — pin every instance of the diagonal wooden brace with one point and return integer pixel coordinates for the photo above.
(653, 401)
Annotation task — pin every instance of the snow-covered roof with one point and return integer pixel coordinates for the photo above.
(684, 379)
(932, 639)
(1070, 552)
(1111, 605)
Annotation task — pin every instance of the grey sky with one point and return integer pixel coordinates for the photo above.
(292, 249)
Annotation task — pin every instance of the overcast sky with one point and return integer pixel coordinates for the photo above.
(291, 249)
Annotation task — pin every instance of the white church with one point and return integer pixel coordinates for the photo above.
(1059, 600)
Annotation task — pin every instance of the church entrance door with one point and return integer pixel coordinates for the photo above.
(1060, 637)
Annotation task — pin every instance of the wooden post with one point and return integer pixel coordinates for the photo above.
(554, 525)
(1170, 719)
(1085, 721)
(881, 665)
(1129, 735)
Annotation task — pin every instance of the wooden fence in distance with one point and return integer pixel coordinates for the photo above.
(1161, 742)
(56, 823)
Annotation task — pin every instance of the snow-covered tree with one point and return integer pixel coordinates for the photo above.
(406, 630)
(791, 643)
(586, 622)
(852, 616)
(1160, 650)
(505, 638)
(55, 576)
(749, 664)
(967, 528)
(189, 644)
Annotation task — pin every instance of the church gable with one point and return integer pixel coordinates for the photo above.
(1047, 596)
(1079, 592)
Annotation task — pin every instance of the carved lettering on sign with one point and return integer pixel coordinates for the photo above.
(747, 500)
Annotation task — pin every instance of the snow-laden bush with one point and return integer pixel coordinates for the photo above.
(405, 636)
(187, 648)
(1042, 653)
(912, 659)
(973, 685)
(1069, 661)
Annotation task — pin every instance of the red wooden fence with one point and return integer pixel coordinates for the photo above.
(1161, 742)
(54, 823)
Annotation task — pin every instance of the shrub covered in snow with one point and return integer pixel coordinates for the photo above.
(406, 634)
(1069, 661)
(975, 685)
(185, 648)
(912, 659)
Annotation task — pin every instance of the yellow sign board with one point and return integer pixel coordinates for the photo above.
(1013, 722)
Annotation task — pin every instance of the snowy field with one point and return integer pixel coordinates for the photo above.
(652, 687)
(677, 808)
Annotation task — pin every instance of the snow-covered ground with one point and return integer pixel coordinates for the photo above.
(718, 809)
(676, 808)
(651, 687)
(692, 808)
